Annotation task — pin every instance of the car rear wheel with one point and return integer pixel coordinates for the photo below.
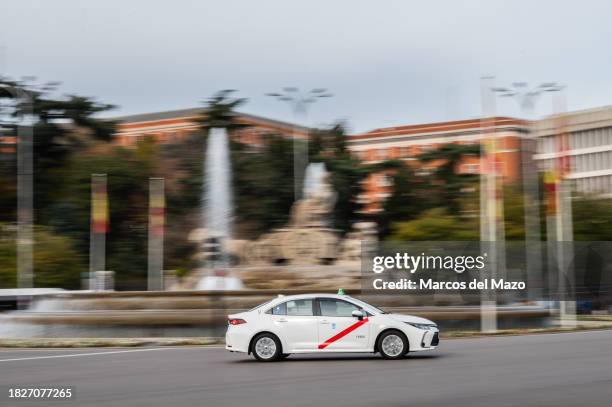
(266, 347)
(392, 345)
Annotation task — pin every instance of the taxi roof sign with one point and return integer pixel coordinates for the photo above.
(340, 291)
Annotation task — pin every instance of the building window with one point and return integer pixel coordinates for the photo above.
(471, 168)
(425, 148)
(384, 180)
(423, 172)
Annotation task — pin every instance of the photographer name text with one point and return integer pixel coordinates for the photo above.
(430, 284)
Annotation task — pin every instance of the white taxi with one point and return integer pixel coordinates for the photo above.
(326, 323)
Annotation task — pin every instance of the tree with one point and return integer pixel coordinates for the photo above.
(347, 172)
(446, 177)
(8, 189)
(61, 127)
(406, 201)
(128, 172)
(330, 142)
(347, 175)
(220, 111)
(436, 224)
(592, 218)
(514, 213)
(56, 262)
(263, 185)
(181, 164)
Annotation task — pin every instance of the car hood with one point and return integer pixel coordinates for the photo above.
(410, 318)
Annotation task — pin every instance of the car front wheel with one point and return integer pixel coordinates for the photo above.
(392, 345)
(266, 347)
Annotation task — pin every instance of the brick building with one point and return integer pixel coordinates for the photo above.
(8, 142)
(173, 125)
(407, 142)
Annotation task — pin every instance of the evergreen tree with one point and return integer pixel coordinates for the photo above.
(446, 178)
(61, 127)
(220, 111)
(405, 202)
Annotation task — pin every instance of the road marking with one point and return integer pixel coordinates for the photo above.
(73, 355)
(342, 334)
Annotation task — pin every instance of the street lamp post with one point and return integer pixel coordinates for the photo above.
(299, 103)
(25, 177)
(559, 222)
(526, 98)
(491, 221)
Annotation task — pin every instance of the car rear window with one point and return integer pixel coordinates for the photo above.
(280, 309)
(293, 308)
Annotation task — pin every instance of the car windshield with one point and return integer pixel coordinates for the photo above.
(366, 305)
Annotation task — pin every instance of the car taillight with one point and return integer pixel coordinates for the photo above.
(236, 321)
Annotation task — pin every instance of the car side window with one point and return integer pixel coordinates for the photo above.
(299, 307)
(336, 308)
(280, 309)
(293, 308)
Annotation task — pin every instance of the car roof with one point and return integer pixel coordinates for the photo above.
(302, 296)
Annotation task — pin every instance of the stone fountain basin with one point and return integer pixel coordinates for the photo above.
(210, 308)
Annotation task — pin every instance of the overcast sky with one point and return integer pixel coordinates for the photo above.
(386, 62)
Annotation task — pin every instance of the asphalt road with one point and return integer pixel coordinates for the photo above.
(539, 370)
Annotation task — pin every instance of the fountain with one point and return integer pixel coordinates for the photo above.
(306, 255)
(314, 178)
(217, 214)
(217, 205)
(298, 254)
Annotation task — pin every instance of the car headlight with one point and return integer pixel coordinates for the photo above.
(425, 327)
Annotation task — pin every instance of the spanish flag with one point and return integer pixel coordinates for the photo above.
(157, 206)
(99, 204)
(551, 183)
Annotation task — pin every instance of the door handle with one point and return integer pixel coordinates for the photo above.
(325, 322)
(282, 320)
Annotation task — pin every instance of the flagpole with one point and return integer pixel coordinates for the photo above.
(563, 218)
(488, 204)
(155, 268)
(98, 228)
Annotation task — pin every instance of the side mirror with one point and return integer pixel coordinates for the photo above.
(358, 314)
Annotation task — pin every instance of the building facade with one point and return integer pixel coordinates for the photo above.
(407, 142)
(176, 124)
(587, 146)
(8, 143)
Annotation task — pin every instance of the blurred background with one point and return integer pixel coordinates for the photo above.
(154, 179)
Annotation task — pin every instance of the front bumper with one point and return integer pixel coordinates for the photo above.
(431, 339)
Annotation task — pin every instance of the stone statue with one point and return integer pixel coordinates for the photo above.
(313, 210)
(307, 239)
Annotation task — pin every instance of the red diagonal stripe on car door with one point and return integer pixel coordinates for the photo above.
(343, 333)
